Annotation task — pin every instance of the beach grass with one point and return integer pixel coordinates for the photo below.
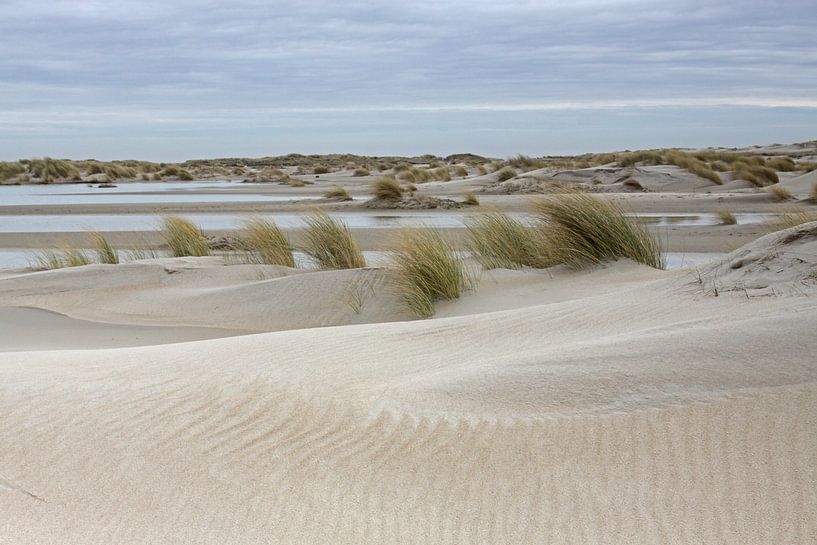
(505, 174)
(426, 270)
(105, 252)
(497, 240)
(337, 193)
(267, 241)
(583, 228)
(183, 237)
(330, 243)
(386, 188)
(779, 192)
(725, 217)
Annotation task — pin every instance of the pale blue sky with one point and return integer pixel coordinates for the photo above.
(177, 79)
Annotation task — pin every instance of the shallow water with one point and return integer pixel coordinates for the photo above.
(13, 258)
(142, 192)
(147, 222)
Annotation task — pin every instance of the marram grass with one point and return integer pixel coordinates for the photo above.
(584, 228)
(183, 237)
(330, 244)
(497, 240)
(267, 241)
(426, 270)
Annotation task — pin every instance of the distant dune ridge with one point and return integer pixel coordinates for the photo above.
(619, 404)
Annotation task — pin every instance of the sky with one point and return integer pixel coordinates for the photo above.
(169, 80)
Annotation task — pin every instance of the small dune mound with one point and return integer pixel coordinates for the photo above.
(412, 203)
(780, 263)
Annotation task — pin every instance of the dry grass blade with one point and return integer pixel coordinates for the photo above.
(183, 237)
(426, 270)
(586, 228)
(329, 242)
(266, 240)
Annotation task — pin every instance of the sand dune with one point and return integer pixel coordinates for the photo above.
(202, 292)
(619, 405)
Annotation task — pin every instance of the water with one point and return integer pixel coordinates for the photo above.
(147, 222)
(142, 192)
(18, 258)
(681, 219)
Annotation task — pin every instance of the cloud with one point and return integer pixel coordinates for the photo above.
(135, 62)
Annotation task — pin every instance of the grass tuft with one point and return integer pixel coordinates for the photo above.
(183, 237)
(470, 199)
(386, 188)
(726, 217)
(105, 253)
(337, 193)
(498, 241)
(793, 218)
(360, 172)
(779, 192)
(266, 240)
(329, 242)
(426, 270)
(505, 174)
(586, 228)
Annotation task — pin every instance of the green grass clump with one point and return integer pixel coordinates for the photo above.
(426, 270)
(320, 169)
(386, 188)
(498, 241)
(9, 170)
(505, 174)
(185, 175)
(694, 165)
(360, 172)
(183, 237)
(726, 217)
(267, 241)
(470, 199)
(329, 242)
(586, 228)
(105, 253)
(337, 193)
(525, 163)
(460, 172)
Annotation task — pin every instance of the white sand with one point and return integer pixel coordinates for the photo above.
(620, 405)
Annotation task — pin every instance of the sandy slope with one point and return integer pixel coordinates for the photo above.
(620, 405)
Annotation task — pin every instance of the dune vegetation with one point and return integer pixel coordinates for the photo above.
(105, 252)
(386, 188)
(725, 217)
(779, 192)
(497, 240)
(583, 228)
(426, 269)
(505, 174)
(183, 237)
(266, 242)
(337, 193)
(330, 243)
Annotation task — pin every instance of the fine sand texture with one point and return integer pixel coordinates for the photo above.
(613, 405)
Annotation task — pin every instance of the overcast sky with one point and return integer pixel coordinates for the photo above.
(177, 79)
